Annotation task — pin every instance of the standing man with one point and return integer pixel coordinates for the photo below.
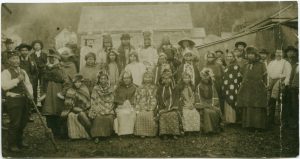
(124, 50)
(264, 58)
(8, 49)
(15, 82)
(27, 64)
(40, 59)
(148, 54)
(279, 72)
(106, 49)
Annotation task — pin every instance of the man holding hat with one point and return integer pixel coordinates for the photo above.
(124, 49)
(8, 49)
(16, 84)
(148, 54)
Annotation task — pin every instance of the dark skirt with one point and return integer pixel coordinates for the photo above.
(253, 117)
(169, 123)
(211, 120)
(102, 126)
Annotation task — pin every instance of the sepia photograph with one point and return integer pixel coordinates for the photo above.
(149, 79)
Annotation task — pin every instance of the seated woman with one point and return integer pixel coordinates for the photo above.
(124, 101)
(101, 111)
(145, 105)
(136, 68)
(185, 91)
(78, 99)
(168, 110)
(207, 102)
(90, 70)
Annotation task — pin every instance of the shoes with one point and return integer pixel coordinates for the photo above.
(30, 119)
(14, 149)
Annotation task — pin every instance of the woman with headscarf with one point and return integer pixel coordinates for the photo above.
(145, 106)
(186, 96)
(77, 99)
(90, 70)
(231, 83)
(162, 65)
(102, 105)
(218, 72)
(207, 102)
(171, 52)
(252, 96)
(124, 102)
(136, 68)
(169, 116)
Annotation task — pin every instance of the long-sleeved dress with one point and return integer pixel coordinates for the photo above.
(137, 70)
(124, 100)
(191, 117)
(170, 122)
(207, 102)
(232, 79)
(101, 111)
(145, 105)
(252, 96)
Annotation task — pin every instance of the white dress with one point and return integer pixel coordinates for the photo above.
(137, 70)
(124, 123)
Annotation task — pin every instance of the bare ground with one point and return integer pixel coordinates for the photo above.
(233, 142)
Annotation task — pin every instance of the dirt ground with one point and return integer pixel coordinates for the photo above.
(233, 142)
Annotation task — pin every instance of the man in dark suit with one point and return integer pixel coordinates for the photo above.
(39, 57)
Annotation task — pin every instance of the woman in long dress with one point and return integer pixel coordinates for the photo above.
(231, 83)
(191, 117)
(207, 102)
(168, 108)
(252, 96)
(78, 100)
(113, 68)
(124, 102)
(136, 68)
(101, 111)
(145, 105)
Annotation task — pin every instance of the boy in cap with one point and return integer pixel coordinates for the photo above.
(16, 84)
(124, 49)
(8, 49)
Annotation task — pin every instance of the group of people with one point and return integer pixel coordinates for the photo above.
(146, 91)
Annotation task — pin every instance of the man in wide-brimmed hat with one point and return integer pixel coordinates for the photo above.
(186, 43)
(148, 54)
(8, 49)
(40, 59)
(124, 49)
(16, 84)
(67, 62)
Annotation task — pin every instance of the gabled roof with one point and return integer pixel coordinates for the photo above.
(135, 18)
